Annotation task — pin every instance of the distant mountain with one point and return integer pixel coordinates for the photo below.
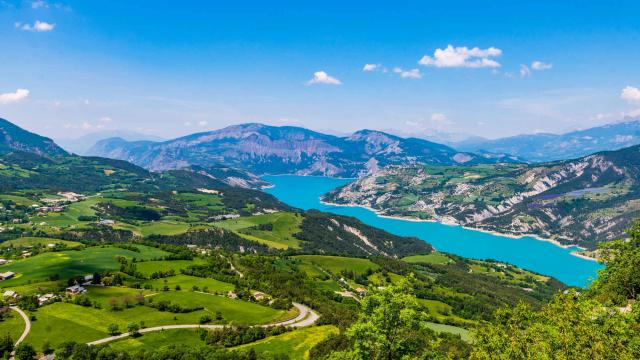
(264, 149)
(82, 144)
(583, 201)
(549, 147)
(13, 137)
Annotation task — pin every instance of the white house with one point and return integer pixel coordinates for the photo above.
(7, 275)
(10, 294)
(76, 289)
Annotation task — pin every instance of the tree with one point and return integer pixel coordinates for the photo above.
(113, 329)
(390, 326)
(25, 352)
(134, 329)
(570, 327)
(6, 345)
(46, 348)
(619, 280)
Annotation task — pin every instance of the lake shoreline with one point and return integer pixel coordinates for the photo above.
(492, 232)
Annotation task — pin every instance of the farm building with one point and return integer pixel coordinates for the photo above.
(76, 289)
(7, 275)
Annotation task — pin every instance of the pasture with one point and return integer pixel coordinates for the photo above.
(284, 226)
(435, 258)
(296, 344)
(336, 264)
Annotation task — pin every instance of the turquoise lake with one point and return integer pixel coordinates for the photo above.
(540, 256)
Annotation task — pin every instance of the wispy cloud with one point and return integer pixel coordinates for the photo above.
(539, 65)
(630, 94)
(39, 5)
(525, 71)
(321, 77)
(38, 26)
(408, 74)
(370, 67)
(452, 57)
(13, 97)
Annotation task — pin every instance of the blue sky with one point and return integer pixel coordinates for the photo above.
(170, 68)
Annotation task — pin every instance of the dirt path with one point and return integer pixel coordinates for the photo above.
(306, 317)
(27, 328)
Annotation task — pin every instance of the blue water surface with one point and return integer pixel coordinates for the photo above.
(528, 253)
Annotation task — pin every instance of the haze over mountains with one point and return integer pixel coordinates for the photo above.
(548, 147)
(266, 149)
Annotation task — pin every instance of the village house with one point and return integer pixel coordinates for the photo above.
(232, 295)
(10, 294)
(3, 261)
(7, 275)
(259, 295)
(76, 289)
(106, 222)
(46, 298)
(361, 292)
(88, 279)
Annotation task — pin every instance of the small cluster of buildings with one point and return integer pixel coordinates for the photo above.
(7, 275)
(76, 290)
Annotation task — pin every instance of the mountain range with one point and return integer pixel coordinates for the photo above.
(82, 144)
(582, 201)
(264, 149)
(549, 147)
(13, 137)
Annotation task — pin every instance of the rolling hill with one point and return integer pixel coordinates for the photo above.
(582, 201)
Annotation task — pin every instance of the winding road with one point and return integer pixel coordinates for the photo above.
(27, 328)
(306, 317)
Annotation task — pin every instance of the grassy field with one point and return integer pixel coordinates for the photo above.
(148, 267)
(285, 225)
(187, 282)
(162, 227)
(296, 344)
(158, 339)
(34, 241)
(335, 264)
(433, 258)
(12, 325)
(233, 311)
(464, 333)
(70, 214)
(72, 263)
(20, 200)
(61, 321)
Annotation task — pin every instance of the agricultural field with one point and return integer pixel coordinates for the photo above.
(25, 242)
(71, 263)
(433, 258)
(465, 334)
(158, 339)
(62, 321)
(274, 230)
(337, 264)
(187, 282)
(296, 343)
(12, 325)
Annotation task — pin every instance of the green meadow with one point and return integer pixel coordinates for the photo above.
(38, 241)
(12, 325)
(285, 225)
(296, 344)
(187, 282)
(433, 258)
(72, 263)
(335, 264)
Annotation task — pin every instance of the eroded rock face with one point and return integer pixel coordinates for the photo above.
(285, 150)
(585, 200)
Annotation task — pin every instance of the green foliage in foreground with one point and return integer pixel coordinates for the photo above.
(576, 326)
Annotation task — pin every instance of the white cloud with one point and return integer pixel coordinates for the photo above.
(462, 57)
(105, 120)
(539, 65)
(524, 71)
(202, 123)
(630, 94)
(38, 26)
(18, 95)
(86, 126)
(408, 74)
(187, 123)
(370, 67)
(321, 77)
(39, 5)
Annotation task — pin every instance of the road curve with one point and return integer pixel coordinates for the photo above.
(27, 327)
(306, 317)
